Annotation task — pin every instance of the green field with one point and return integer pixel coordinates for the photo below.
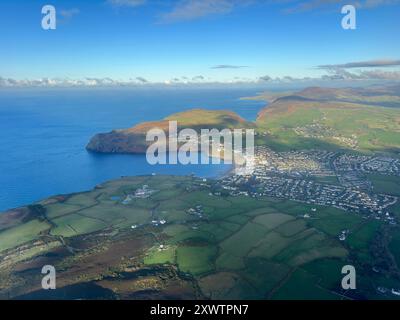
(21, 234)
(239, 248)
(385, 184)
(329, 125)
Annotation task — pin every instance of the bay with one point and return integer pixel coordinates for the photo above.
(44, 134)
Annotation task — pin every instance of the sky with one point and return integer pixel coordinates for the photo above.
(114, 42)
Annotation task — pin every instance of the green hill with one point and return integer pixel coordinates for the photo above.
(357, 119)
(133, 140)
(321, 118)
(388, 96)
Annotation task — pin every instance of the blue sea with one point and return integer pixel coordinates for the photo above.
(44, 134)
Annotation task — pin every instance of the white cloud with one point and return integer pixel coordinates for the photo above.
(194, 9)
(198, 78)
(301, 6)
(265, 78)
(363, 64)
(227, 66)
(141, 79)
(341, 74)
(69, 13)
(186, 10)
(333, 73)
(66, 82)
(362, 70)
(127, 3)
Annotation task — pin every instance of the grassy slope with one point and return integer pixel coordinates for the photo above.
(133, 140)
(358, 115)
(376, 129)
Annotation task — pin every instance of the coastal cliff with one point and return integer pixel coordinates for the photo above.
(133, 140)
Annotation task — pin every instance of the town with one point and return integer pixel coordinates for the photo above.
(317, 177)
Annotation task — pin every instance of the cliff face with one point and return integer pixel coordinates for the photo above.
(118, 142)
(133, 140)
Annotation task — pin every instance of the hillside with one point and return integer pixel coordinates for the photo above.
(379, 96)
(133, 140)
(357, 119)
(326, 118)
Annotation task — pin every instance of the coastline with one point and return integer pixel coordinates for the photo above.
(218, 175)
(46, 152)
